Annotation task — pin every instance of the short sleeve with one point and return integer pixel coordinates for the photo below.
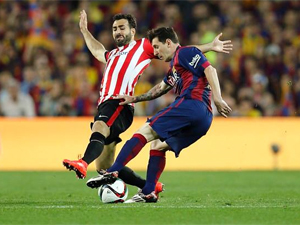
(148, 49)
(106, 55)
(193, 59)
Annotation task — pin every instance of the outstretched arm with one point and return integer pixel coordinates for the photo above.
(155, 92)
(95, 47)
(216, 45)
(212, 77)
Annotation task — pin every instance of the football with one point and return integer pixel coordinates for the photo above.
(113, 193)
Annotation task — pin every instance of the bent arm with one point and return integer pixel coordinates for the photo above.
(155, 92)
(95, 47)
(212, 77)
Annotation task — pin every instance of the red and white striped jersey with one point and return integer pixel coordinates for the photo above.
(124, 66)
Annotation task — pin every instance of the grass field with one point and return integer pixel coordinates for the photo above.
(190, 198)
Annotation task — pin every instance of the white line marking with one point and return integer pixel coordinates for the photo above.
(147, 206)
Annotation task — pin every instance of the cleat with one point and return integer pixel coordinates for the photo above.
(78, 166)
(159, 187)
(103, 178)
(142, 198)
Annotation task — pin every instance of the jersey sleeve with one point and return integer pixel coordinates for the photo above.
(193, 59)
(148, 49)
(106, 55)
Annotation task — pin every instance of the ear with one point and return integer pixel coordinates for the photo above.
(133, 31)
(169, 42)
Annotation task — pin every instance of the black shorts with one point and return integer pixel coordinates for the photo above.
(117, 117)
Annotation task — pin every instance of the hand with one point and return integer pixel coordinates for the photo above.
(221, 46)
(223, 108)
(127, 99)
(83, 21)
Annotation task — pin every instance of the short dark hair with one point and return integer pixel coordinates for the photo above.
(163, 33)
(130, 18)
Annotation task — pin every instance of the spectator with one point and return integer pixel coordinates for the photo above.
(15, 103)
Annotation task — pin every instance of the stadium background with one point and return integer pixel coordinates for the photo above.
(43, 58)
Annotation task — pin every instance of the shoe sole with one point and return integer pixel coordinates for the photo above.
(96, 182)
(70, 167)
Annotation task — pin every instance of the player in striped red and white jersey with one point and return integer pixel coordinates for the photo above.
(124, 65)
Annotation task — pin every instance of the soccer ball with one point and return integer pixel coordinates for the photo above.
(113, 193)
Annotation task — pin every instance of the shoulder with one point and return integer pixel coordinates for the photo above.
(186, 50)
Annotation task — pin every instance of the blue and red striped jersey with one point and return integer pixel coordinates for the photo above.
(186, 75)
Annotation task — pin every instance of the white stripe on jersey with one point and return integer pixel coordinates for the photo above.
(131, 71)
(105, 76)
(134, 69)
(118, 67)
(137, 71)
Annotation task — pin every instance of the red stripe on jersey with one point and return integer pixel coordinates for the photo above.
(135, 81)
(114, 116)
(197, 92)
(124, 68)
(109, 76)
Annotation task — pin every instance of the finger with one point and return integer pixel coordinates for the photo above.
(226, 41)
(123, 103)
(224, 115)
(219, 35)
(225, 52)
(227, 48)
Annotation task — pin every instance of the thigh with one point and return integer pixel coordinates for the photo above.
(106, 159)
(182, 123)
(118, 118)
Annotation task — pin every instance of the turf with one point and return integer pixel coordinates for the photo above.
(259, 197)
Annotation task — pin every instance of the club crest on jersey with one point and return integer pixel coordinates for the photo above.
(195, 60)
(174, 77)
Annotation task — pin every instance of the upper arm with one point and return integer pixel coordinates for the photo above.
(101, 55)
(209, 70)
(193, 60)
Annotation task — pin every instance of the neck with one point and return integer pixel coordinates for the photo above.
(173, 49)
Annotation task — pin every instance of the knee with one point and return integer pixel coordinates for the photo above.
(101, 127)
(158, 145)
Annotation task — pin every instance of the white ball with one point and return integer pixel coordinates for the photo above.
(113, 193)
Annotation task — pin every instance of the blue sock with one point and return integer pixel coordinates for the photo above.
(156, 165)
(131, 148)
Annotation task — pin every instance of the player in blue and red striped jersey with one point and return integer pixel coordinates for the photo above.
(182, 123)
(124, 65)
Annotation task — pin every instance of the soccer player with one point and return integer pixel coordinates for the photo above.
(124, 65)
(180, 124)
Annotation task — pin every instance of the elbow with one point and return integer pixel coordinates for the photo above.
(210, 70)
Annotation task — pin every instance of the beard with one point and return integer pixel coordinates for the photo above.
(126, 39)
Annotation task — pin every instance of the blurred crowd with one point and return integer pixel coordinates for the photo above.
(47, 70)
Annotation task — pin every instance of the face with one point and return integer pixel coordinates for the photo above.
(122, 33)
(162, 51)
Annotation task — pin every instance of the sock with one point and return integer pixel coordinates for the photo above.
(156, 165)
(131, 148)
(130, 177)
(94, 148)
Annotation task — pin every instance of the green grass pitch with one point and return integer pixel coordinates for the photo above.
(258, 197)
